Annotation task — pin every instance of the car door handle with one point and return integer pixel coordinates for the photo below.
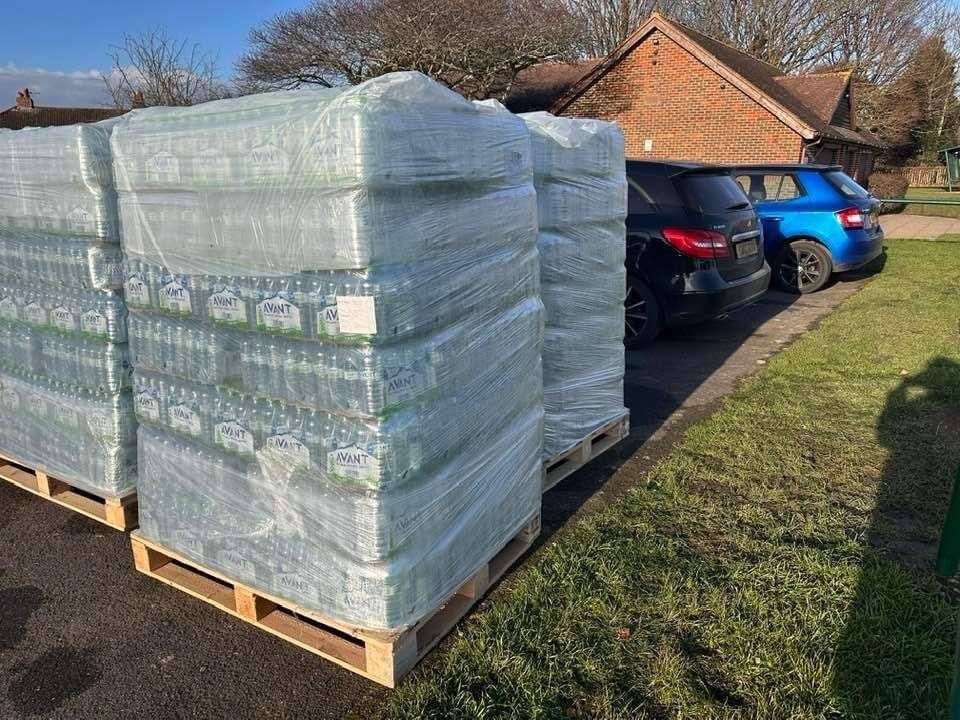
(773, 219)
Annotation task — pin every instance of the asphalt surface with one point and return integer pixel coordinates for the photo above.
(83, 635)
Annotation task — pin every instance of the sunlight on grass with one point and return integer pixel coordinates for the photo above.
(777, 564)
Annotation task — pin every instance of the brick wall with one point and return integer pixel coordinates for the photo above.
(661, 93)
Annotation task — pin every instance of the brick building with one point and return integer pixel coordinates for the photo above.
(27, 114)
(677, 93)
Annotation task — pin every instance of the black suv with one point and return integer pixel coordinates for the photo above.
(694, 247)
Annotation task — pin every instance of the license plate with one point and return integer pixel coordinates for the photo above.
(745, 248)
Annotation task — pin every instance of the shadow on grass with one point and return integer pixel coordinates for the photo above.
(896, 649)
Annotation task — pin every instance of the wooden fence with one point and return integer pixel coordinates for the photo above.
(926, 175)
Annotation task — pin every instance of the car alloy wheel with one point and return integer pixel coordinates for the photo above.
(801, 269)
(636, 313)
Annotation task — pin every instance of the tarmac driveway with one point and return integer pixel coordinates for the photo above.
(82, 635)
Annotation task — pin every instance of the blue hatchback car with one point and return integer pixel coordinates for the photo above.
(816, 221)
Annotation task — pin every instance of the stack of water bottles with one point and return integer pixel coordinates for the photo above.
(336, 327)
(580, 177)
(65, 373)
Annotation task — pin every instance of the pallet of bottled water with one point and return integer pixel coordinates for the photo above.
(580, 178)
(336, 326)
(66, 372)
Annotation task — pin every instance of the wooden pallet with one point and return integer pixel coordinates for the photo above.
(599, 441)
(119, 512)
(381, 656)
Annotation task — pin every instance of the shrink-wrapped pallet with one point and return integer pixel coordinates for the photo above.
(336, 331)
(67, 372)
(580, 178)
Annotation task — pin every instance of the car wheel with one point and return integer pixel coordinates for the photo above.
(802, 267)
(642, 318)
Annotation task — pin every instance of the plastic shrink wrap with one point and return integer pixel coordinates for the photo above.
(336, 329)
(66, 372)
(580, 178)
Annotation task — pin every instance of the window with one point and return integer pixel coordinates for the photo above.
(770, 187)
(712, 192)
(845, 184)
(638, 201)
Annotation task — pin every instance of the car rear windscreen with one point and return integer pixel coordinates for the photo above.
(846, 184)
(712, 193)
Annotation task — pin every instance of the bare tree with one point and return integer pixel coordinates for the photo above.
(163, 71)
(474, 47)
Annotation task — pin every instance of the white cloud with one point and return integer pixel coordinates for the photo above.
(82, 88)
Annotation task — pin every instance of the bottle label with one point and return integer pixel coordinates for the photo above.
(402, 383)
(174, 297)
(328, 318)
(226, 306)
(8, 308)
(293, 452)
(353, 462)
(80, 219)
(163, 167)
(38, 406)
(136, 291)
(184, 419)
(63, 319)
(35, 313)
(357, 315)
(93, 322)
(232, 436)
(278, 313)
(147, 405)
(67, 416)
(10, 398)
(269, 159)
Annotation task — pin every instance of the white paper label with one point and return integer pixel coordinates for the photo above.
(148, 405)
(294, 452)
(67, 416)
(174, 297)
(278, 313)
(63, 319)
(184, 419)
(93, 322)
(354, 462)
(8, 308)
(357, 315)
(136, 291)
(233, 436)
(35, 313)
(226, 306)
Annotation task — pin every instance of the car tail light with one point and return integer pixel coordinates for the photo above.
(851, 218)
(697, 243)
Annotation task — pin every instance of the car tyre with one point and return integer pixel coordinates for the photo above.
(643, 318)
(802, 267)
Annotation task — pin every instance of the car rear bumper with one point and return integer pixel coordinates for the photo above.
(686, 308)
(859, 254)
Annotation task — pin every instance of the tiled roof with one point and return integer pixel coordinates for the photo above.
(16, 118)
(810, 99)
(537, 87)
(821, 92)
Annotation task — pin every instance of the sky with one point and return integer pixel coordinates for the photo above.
(58, 48)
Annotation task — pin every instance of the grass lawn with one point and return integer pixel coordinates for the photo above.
(776, 564)
(933, 194)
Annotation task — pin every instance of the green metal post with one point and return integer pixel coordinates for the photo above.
(948, 562)
(948, 556)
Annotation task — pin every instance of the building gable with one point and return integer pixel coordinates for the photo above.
(671, 103)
